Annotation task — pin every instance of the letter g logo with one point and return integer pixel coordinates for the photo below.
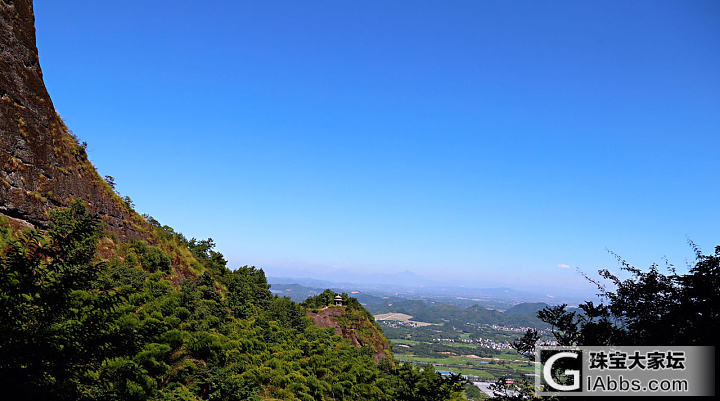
(547, 372)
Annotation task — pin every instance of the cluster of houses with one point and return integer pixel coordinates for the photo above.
(399, 323)
(483, 342)
(514, 329)
(486, 342)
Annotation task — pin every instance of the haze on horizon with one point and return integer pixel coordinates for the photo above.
(472, 142)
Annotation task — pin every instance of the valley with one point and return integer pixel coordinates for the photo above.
(358, 201)
(471, 339)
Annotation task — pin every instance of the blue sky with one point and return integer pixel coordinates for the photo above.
(481, 142)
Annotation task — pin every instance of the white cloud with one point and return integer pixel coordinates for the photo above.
(564, 266)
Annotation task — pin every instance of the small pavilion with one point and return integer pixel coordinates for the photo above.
(338, 300)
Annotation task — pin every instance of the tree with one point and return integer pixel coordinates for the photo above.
(648, 308)
(54, 324)
(110, 181)
(77, 329)
(248, 290)
(424, 384)
(204, 251)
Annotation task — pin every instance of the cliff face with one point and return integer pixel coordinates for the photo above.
(355, 327)
(41, 164)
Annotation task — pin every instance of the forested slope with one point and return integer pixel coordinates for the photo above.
(349, 320)
(80, 327)
(100, 303)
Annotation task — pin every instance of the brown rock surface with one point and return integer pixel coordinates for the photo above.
(329, 317)
(41, 164)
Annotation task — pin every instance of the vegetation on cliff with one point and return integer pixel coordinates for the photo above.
(42, 164)
(351, 320)
(80, 327)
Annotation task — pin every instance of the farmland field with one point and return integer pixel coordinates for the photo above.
(481, 351)
(400, 317)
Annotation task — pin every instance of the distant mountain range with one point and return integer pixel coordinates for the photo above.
(429, 309)
(404, 279)
(299, 293)
(499, 298)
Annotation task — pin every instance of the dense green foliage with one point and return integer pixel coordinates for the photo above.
(327, 298)
(435, 350)
(353, 317)
(74, 328)
(473, 393)
(648, 308)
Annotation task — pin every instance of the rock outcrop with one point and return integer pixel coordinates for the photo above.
(42, 165)
(355, 327)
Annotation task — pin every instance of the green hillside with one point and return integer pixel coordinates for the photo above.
(520, 315)
(81, 326)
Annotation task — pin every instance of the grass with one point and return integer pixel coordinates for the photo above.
(472, 367)
(403, 341)
(462, 345)
(469, 348)
(461, 360)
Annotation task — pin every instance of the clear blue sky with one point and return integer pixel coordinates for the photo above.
(479, 141)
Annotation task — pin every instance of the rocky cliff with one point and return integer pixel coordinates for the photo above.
(42, 165)
(354, 326)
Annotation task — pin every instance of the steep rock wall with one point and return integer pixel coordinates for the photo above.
(41, 164)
